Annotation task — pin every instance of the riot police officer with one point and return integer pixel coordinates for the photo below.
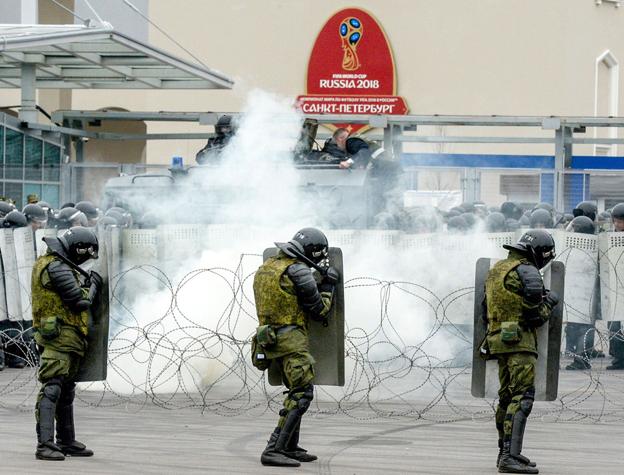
(580, 336)
(517, 304)
(616, 333)
(287, 296)
(61, 300)
(224, 130)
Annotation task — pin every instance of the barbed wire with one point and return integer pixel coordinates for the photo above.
(174, 356)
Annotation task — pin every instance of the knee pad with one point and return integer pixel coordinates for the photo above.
(526, 403)
(52, 390)
(306, 394)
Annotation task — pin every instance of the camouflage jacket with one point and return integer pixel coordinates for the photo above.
(46, 303)
(275, 295)
(506, 304)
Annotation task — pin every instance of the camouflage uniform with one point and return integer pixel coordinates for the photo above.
(277, 305)
(511, 341)
(60, 334)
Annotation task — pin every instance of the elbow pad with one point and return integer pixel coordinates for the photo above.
(532, 284)
(305, 287)
(67, 286)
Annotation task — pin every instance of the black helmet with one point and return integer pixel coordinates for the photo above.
(457, 224)
(511, 210)
(123, 217)
(14, 219)
(68, 217)
(89, 209)
(547, 206)
(496, 223)
(34, 212)
(224, 125)
(116, 215)
(537, 245)
(6, 208)
(617, 212)
(512, 224)
(69, 204)
(471, 219)
(586, 208)
(524, 221)
(310, 242)
(106, 222)
(581, 224)
(80, 244)
(541, 218)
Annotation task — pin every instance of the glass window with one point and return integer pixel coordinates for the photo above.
(13, 191)
(50, 193)
(14, 155)
(2, 129)
(33, 159)
(52, 163)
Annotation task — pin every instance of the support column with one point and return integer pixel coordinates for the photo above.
(390, 144)
(563, 158)
(28, 110)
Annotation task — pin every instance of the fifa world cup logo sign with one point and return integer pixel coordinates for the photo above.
(350, 35)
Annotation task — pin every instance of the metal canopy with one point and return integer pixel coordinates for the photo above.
(83, 57)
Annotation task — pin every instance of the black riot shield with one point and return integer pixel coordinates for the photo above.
(94, 364)
(485, 373)
(326, 343)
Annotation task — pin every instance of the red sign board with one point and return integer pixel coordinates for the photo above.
(351, 69)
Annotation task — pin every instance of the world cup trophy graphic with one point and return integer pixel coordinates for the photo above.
(350, 35)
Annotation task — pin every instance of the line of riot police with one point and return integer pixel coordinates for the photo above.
(16, 339)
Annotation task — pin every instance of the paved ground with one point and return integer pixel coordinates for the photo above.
(152, 440)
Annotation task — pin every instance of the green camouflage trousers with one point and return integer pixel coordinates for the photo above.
(291, 352)
(516, 375)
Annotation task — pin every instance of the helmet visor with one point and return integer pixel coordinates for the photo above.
(90, 252)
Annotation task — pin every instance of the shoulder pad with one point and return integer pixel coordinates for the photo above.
(305, 288)
(298, 269)
(65, 283)
(532, 283)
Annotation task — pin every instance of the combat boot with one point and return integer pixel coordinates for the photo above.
(511, 464)
(65, 431)
(298, 453)
(274, 457)
(579, 363)
(521, 458)
(46, 448)
(616, 364)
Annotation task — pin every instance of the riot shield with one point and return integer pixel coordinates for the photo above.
(611, 259)
(23, 239)
(40, 245)
(4, 316)
(579, 254)
(326, 343)
(11, 280)
(485, 373)
(94, 364)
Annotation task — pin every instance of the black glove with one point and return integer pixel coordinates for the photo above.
(96, 280)
(332, 276)
(552, 298)
(95, 285)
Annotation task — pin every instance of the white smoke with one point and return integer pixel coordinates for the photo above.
(265, 205)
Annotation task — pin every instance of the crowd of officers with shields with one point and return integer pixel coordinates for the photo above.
(286, 295)
(17, 347)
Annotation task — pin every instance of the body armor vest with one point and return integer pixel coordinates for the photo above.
(502, 304)
(274, 305)
(46, 302)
